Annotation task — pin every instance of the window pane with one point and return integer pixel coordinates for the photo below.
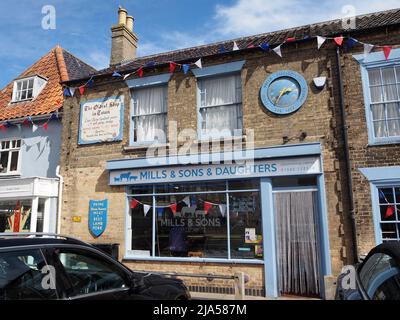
(30, 84)
(15, 216)
(40, 216)
(223, 120)
(29, 94)
(390, 93)
(24, 85)
(151, 128)
(380, 129)
(389, 231)
(376, 94)
(388, 213)
(18, 143)
(294, 182)
(89, 272)
(378, 112)
(141, 228)
(244, 184)
(14, 161)
(393, 128)
(386, 195)
(388, 76)
(21, 276)
(397, 192)
(393, 110)
(19, 85)
(398, 74)
(191, 187)
(374, 76)
(3, 162)
(23, 95)
(197, 229)
(150, 100)
(221, 90)
(245, 225)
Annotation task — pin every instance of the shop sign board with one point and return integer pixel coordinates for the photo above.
(101, 120)
(253, 169)
(98, 217)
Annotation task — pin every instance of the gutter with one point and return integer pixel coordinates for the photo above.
(60, 192)
(347, 157)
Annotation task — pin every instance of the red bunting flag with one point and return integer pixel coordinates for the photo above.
(338, 40)
(207, 206)
(3, 128)
(172, 66)
(389, 212)
(82, 90)
(173, 208)
(134, 203)
(386, 51)
(26, 122)
(140, 72)
(290, 39)
(46, 126)
(251, 46)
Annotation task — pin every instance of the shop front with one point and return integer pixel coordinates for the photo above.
(266, 211)
(28, 205)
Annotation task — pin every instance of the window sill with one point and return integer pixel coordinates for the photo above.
(220, 139)
(383, 143)
(191, 260)
(145, 146)
(10, 175)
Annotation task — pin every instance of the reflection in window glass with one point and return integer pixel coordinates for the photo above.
(15, 215)
(141, 226)
(389, 209)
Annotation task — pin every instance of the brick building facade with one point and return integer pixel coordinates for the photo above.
(305, 148)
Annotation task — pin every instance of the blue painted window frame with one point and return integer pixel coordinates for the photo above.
(145, 83)
(220, 70)
(372, 61)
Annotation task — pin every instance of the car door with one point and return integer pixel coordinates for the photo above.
(379, 277)
(92, 276)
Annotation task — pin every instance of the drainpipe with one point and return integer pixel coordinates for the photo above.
(60, 189)
(347, 157)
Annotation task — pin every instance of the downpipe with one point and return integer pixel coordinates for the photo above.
(60, 192)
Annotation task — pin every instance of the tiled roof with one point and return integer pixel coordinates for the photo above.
(56, 66)
(328, 28)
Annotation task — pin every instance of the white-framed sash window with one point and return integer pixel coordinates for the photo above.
(220, 110)
(28, 88)
(10, 154)
(149, 115)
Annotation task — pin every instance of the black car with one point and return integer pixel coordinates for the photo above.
(47, 266)
(376, 278)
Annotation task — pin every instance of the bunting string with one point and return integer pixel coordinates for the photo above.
(28, 121)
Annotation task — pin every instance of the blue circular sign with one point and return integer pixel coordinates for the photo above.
(284, 92)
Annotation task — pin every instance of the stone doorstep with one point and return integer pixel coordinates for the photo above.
(216, 296)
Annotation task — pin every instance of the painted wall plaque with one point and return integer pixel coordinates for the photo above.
(98, 216)
(101, 120)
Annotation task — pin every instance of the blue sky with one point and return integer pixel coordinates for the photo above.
(83, 26)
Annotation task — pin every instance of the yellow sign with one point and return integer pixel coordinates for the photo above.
(77, 219)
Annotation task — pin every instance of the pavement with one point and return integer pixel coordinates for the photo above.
(216, 296)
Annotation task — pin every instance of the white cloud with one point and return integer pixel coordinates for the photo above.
(98, 59)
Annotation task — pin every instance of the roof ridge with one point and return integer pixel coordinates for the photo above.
(62, 67)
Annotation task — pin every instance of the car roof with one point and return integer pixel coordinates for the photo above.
(21, 241)
(391, 248)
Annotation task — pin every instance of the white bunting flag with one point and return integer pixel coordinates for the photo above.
(18, 126)
(127, 76)
(186, 200)
(235, 46)
(198, 63)
(367, 48)
(72, 90)
(222, 208)
(34, 127)
(277, 50)
(146, 209)
(320, 41)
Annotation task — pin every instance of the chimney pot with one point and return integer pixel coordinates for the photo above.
(122, 16)
(129, 23)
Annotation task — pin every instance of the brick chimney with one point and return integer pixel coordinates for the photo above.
(124, 41)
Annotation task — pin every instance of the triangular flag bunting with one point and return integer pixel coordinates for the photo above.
(26, 122)
(140, 72)
(350, 43)
(3, 128)
(173, 208)
(54, 116)
(386, 51)
(116, 74)
(251, 46)
(199, 64)
(160, 212)
(186, 200)
(127, 76)
(172, 66)
(222, 208)
(146, 209)
(278, 51)
(67, 92)
(185, 68)
(34, 127)
(18, 126)
(46, 126)
(150, 64)
(82, 90)
(338, 40)
(264, 46)
(320, 41)
(221, 48)
(207, 206)
(235, 46)
(72, 91)
(133, 204)
(90, 83)
(367, 48)
(389, 212)
(290, 39)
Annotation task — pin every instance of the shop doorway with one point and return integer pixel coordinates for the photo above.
(298, 251)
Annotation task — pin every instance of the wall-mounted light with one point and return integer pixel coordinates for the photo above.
(319, 82)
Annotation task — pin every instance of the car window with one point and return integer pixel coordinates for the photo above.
(24, 275)
(379, 276)
(90, 273)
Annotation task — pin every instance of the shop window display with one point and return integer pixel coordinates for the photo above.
(15, 216)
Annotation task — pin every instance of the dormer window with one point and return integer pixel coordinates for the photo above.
(28, 88)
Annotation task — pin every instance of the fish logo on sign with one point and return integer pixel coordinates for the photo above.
(98, 217)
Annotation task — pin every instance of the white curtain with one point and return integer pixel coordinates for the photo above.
(150, 108)
(221, 101)
(384, 87)
(298, 249)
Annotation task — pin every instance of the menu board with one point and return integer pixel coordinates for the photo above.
(101, 120)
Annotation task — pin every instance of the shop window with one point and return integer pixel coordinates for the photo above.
(149, 115)
(40, 216)
(220, 106)
(389, 214)
(10, 156)
(192, 221)
(15, 216)
(27, 89)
